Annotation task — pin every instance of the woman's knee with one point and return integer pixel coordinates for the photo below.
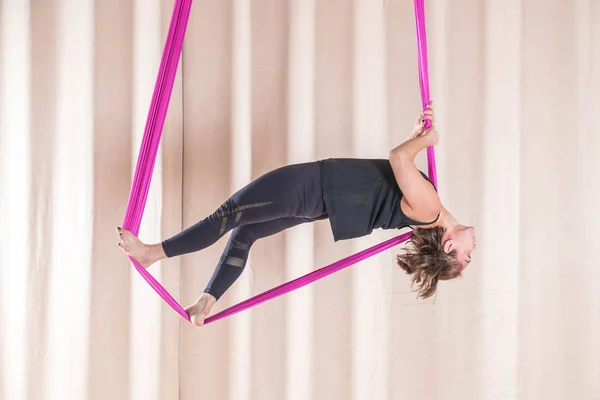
(243, 237)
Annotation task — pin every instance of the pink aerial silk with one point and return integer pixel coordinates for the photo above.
(152, 134)
(424, 80)
(151, 140)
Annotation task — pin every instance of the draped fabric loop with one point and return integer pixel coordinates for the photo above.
(151, 140)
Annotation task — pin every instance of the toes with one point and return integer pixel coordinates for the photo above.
(126, 236)
(122, 231)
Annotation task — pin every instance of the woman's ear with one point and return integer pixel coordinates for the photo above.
(448, 246)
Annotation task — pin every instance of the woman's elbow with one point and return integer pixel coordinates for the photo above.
(397, 154)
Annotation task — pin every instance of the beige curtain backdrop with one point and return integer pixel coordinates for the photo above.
(265, 83)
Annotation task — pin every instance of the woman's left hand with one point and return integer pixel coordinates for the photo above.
(419, 128)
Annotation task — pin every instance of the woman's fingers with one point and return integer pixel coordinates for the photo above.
(420, 123)
(427, 113)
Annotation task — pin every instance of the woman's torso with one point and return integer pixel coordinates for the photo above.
(361, 195)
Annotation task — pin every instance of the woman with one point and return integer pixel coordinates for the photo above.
(356, 195)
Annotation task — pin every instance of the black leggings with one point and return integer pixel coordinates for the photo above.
(276, 201)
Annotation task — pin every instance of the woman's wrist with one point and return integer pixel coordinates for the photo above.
(424, 142)
(411, 147)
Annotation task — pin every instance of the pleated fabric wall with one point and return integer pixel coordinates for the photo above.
(265, 83)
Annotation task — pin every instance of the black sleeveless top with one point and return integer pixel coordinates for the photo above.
(361, 195)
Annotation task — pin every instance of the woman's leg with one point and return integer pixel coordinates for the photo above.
(234, 257)
(290, 191)
(233, 260)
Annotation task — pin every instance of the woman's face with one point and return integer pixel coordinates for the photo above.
(462, 240)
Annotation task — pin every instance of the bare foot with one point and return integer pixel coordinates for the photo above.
(200, 309)
(145, 254)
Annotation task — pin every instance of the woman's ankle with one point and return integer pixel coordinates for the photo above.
(155, 253)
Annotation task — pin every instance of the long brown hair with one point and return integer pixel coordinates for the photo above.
(424, 257)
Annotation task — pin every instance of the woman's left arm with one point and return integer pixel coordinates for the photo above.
(419, 194)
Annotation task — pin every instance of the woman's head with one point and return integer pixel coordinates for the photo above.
(460, 239)
(435, 254)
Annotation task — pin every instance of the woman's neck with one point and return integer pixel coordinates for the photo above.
(446, 220)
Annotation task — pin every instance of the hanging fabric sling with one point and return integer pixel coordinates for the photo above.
(151, 140)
